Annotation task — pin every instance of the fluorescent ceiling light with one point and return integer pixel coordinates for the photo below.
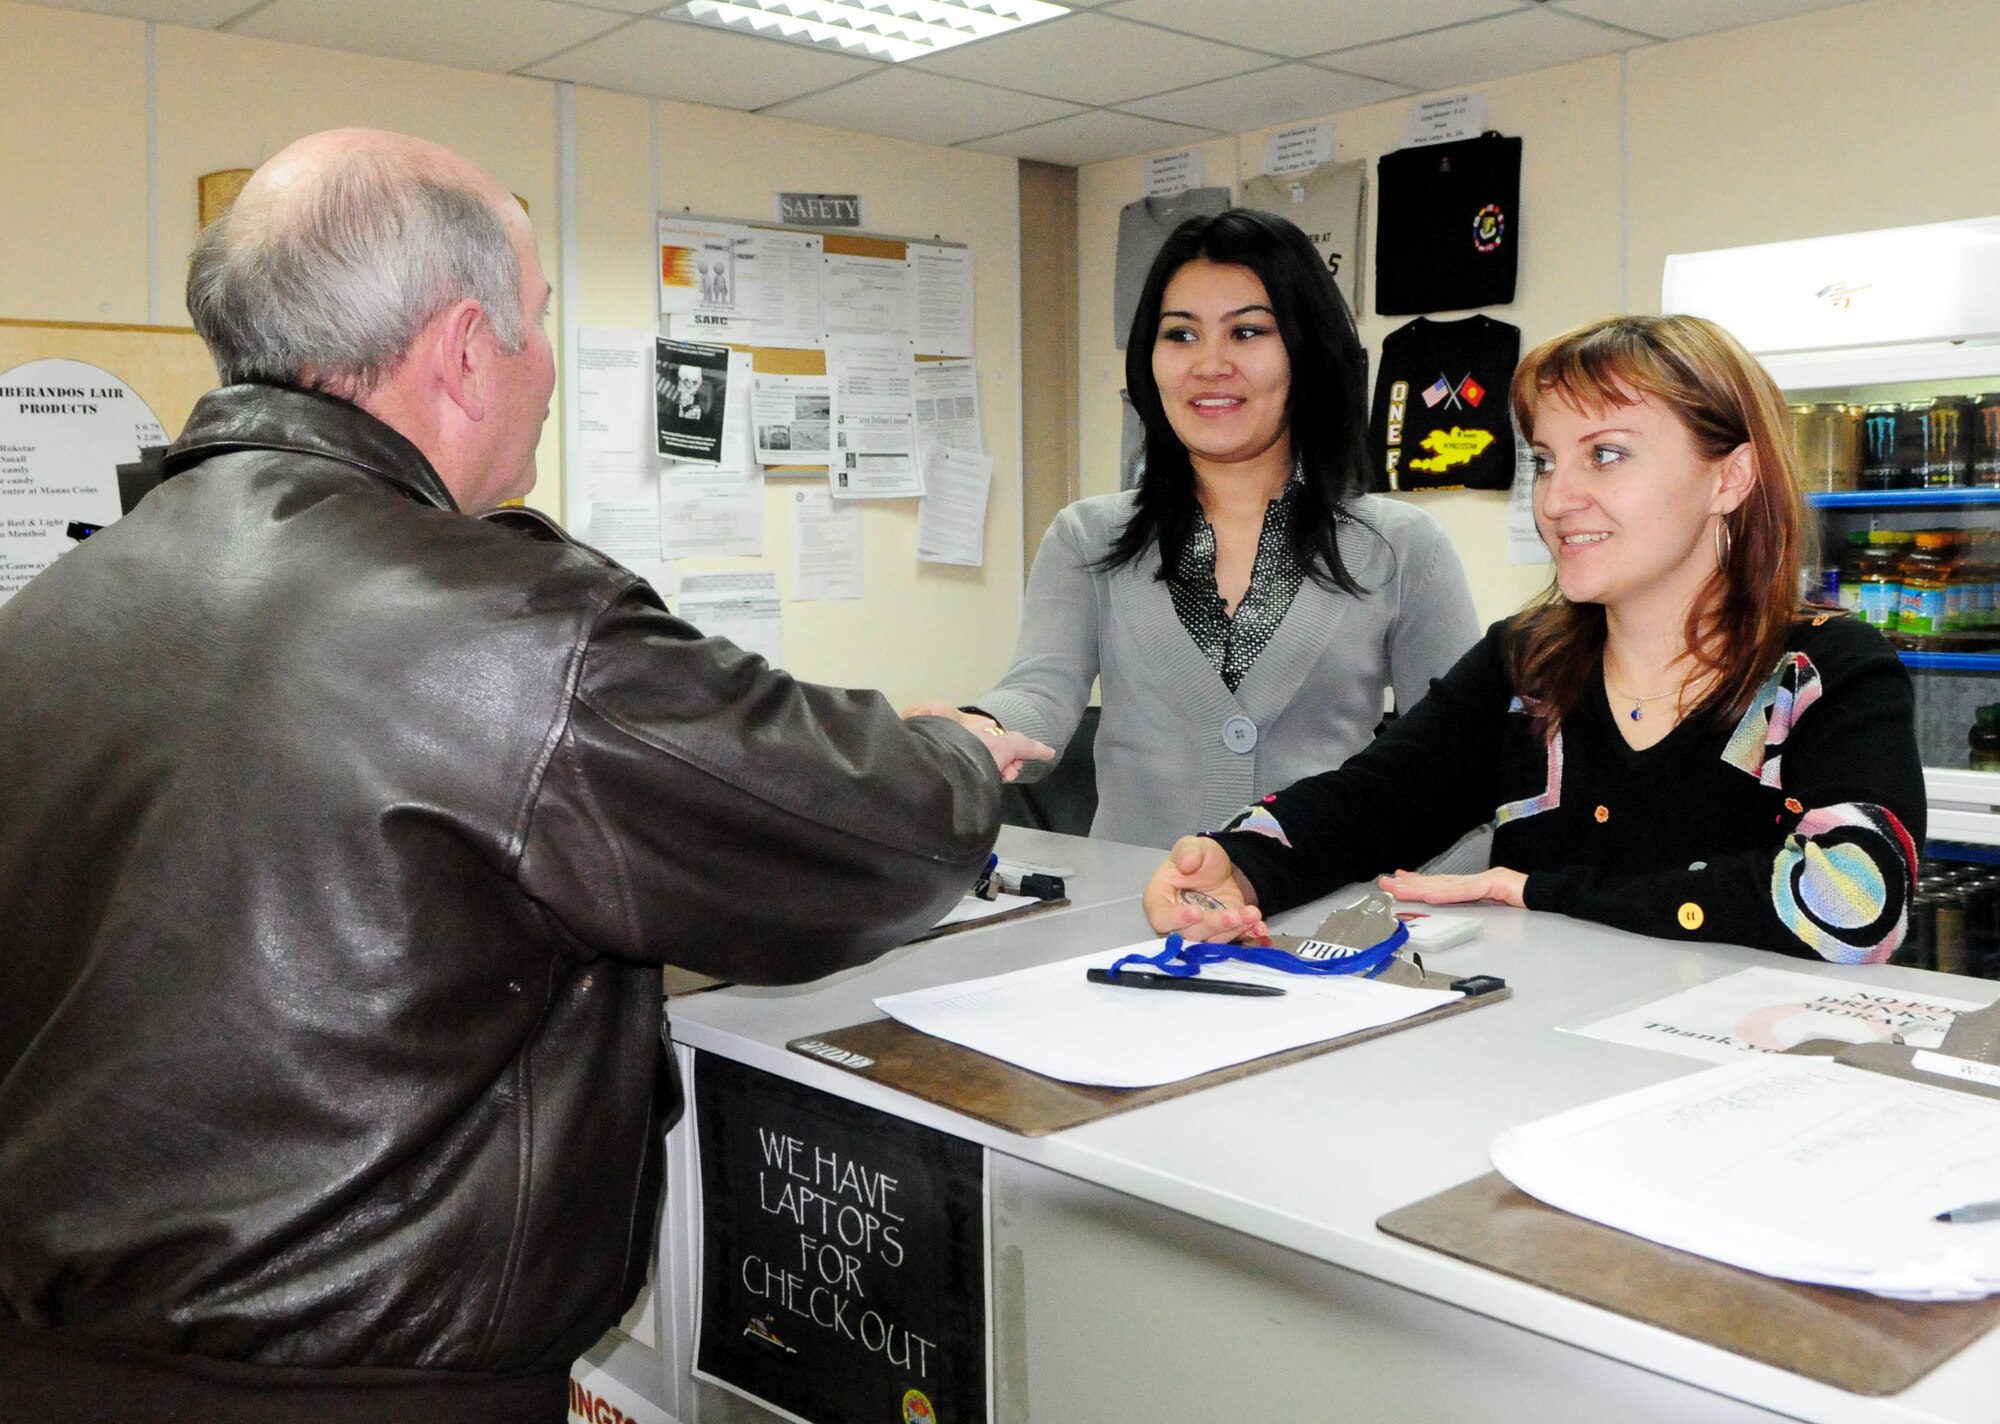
(877, 29)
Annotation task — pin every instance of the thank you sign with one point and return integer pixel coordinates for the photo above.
(842, 1258)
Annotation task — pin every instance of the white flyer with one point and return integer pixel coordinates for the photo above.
(826, 547)
(614, 389)
(947, 396)
(790, 275)
(874, 417)
(621, 512)
(1171, 173)
(65, 428)
(1768, 1010)
(865, 296)
(941, 293)
(1445, 120)
(776, 288)
(716, 509)
(1299, 149)
(699, 268)
(951, 524)
(1524, 540)
(740, 605)
(793, 418)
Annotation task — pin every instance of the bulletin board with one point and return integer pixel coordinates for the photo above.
(167, 366)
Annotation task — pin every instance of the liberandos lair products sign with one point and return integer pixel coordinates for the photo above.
(842, 1258)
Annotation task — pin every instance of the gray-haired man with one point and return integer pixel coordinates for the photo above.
(344, 834)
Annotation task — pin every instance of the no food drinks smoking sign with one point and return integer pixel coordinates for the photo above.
(843, 1255)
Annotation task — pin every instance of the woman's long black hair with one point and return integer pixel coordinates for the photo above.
(1327, 405)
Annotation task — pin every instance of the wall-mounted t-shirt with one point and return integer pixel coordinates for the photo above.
(1143, 228)
(1440, 419)
(1326, 203)
(1447, 225)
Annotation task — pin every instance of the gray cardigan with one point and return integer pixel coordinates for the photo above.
(1176, 750)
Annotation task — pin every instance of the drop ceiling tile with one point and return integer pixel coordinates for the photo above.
(1692, 17)
(1485, 49)
(1090, 138)
(1278, 95)
(195, 14)
(628, 7)
(701, 65)
(1091, 59)
(930, 108)
(494, 35)
(1302, 27)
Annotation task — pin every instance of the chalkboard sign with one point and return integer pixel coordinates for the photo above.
(843, 1255)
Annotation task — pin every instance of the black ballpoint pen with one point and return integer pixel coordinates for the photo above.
(1129, 980)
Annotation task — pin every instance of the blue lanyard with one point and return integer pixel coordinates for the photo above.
(1182, 960)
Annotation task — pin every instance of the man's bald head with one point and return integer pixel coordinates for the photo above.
(338, 252)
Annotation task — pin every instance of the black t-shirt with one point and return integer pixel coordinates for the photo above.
(1440, 417)
(1447, 226)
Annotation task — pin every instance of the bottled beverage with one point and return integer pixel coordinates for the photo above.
(1849, 591)
(1882, 579)
(1926, 578)
(1983, 741)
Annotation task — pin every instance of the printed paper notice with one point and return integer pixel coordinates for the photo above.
(865, 296)
(775, 279)
(616, 507)
(794, 419)
(716, 509)
(1524, 541)
(1171, 173)
(1445, 120)
(941, 278)
(740, 605)
(947, 394)
(65, 427)
(1298, 150)
(951, 526)
(826, 547)
(692, 390)
(1769, 1010)
(698, 267)
(874, 419)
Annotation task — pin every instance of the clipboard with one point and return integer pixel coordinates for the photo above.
(1853, 1340)
(1004, 1096)
(1019, 912)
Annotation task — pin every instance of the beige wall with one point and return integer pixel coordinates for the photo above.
(74, 105)
(1871, 115)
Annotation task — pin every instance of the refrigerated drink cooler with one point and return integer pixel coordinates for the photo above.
(1887, 345)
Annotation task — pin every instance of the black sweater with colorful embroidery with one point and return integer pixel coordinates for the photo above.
(1797, 831)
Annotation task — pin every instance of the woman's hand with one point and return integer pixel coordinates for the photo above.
(1010, 750)
(1198, 893)
(1500, 885)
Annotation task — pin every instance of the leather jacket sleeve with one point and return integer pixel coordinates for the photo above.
(701, 809)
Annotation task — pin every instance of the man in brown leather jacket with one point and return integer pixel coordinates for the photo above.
(343, 834)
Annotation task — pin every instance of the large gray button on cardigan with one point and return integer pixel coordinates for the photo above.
(1314, 695)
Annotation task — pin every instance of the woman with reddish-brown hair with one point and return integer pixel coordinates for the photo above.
(1668, 740)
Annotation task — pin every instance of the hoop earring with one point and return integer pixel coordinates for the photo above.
(1725, 544)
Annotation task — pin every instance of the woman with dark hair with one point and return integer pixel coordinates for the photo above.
(1246, 606)
(1668, 741)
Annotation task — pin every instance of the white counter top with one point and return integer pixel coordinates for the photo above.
(1307, 1157)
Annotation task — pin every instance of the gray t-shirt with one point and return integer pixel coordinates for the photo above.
(1326, 203)
(1142, 231)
